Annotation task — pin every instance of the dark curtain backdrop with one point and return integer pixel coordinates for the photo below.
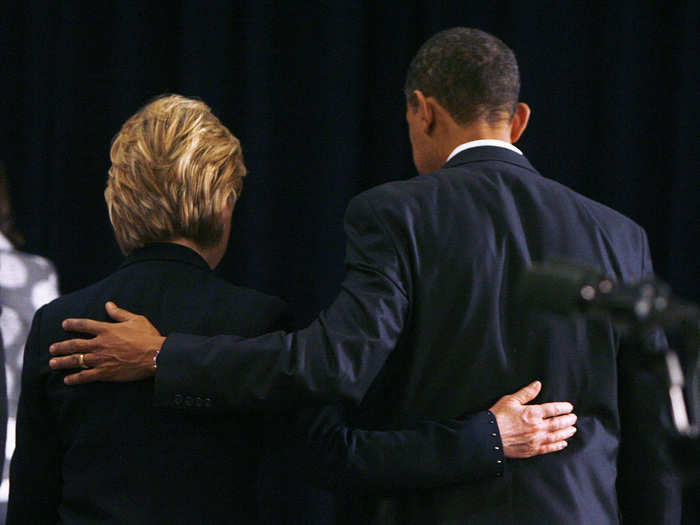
(314, 92)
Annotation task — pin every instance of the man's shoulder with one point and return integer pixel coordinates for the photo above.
(412, 185)
(600, 212)
(398, 193)
(520, 173)
(483, 184)
(421, 187)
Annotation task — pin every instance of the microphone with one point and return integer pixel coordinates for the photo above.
(565, 288)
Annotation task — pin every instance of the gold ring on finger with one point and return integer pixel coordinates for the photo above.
(81, 361)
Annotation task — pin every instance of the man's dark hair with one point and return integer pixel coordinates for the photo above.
(470, 73)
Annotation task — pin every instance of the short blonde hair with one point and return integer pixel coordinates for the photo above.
(174, 167)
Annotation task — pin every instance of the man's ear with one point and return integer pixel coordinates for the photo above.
(520, 120)
(426, 111)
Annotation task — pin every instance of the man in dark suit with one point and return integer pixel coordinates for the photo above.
(426, 322)
(103, 453)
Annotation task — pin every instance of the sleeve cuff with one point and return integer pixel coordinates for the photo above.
(496, 452)
(175, 379)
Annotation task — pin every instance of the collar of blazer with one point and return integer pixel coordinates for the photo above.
(165, 251)
(489, 153)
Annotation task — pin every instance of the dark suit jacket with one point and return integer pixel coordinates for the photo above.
(425, 325)
(101, 453)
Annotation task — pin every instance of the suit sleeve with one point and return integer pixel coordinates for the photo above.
(335, 358)
(35, 470)
(332, 453)
(649, 488)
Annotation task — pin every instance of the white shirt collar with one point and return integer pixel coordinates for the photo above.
(483, 142)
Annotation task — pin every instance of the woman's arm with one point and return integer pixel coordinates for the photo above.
(333, 451)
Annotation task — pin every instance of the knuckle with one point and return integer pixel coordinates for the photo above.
(528, 415)
(535, 439)
(533, 414)
(556, 424)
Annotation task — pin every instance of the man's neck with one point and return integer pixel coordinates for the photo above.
(456, 135)
(482, 142)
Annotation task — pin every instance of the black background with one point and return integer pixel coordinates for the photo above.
(314, 92)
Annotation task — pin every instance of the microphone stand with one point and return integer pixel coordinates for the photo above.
(638, 310)
(642, 307)
(634, 309)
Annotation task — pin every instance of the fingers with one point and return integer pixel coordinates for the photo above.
(72, 361)
(550, 442)
(86, 376)
(66, 363)
(551, 447)
(529, 450)
(528, 393)
(118, 314)
(73, 346)
(560, 435)
(559, 422)
(556, 408)
(84, 326)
